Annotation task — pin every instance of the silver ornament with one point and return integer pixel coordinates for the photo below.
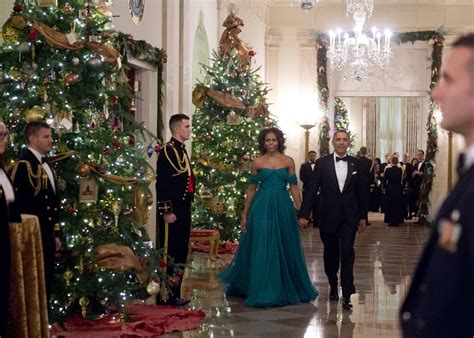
(153, 288)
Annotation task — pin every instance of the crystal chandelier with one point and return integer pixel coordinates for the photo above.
(361, 53)
(305, 5)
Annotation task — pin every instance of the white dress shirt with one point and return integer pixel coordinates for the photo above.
(468, 157)
(419, 165)
(341, 171)
(45, 165)
(7, 187)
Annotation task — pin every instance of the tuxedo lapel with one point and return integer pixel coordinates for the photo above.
(332, 170)
(350, 170)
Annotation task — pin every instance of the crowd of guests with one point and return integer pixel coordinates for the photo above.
(395, 186)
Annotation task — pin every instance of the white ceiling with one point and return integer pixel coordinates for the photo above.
(289, 3)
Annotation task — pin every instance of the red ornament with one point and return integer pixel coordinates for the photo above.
(162, 263)
(117, 144)
(143, 261)
(114, 99)
(18, 8)
(252, 53)
(71, 79)
(208, 137)
(70, 210)
(32, 35)
(157, 149)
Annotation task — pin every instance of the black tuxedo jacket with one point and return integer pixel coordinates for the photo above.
(440, 302)
(36, 196)
(418, 179)
(336, 207)
(305, 174)
(8, 213)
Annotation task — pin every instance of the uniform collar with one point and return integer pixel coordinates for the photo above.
(177, 143)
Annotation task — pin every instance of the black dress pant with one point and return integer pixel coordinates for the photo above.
(339, 251)
(178, 239)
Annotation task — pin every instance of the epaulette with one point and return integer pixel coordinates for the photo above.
(36, 179)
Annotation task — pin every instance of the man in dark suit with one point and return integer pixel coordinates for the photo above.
(343, 183)
(35, 188)
(417, 178)
(8, 214)
(175, 192)
(306, 171)
(440, 302)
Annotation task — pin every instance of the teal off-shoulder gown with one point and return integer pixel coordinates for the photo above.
(269, 268)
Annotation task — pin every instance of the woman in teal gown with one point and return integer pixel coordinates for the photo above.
(269, 268)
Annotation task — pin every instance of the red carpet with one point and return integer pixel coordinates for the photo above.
(148, 321)
(226, 248)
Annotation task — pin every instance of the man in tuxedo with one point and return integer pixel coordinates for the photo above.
(35, 189)
(8, 214)
(175, 192)
(343, 185)
(306, 171)
(447, 263)
(417, 178)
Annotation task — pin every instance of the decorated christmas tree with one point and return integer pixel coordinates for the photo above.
(62, 64)
(231, 110)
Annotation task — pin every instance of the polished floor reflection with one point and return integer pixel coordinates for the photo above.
(385, 260)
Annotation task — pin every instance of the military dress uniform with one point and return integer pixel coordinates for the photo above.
(175, 192)
(440, 302)
(8, 214)
(36, 194)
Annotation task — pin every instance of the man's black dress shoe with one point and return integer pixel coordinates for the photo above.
(333, 295)
(346, 303)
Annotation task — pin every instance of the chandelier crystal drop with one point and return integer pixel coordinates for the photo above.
(360, 10)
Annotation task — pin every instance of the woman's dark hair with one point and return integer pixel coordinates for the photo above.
(279, 135)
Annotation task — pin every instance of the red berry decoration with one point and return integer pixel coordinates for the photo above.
(18, 8)
(114, 99)
(70, 210)
(157, 149)
(162, 263)
(32, 35)
(117, 144)
(252, 53)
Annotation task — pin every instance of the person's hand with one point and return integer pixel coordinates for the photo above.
(243, 224)
(362, 225)
(170, 218)
(58, 244)
(303, 222)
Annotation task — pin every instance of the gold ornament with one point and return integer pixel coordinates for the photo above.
(150, 177)
(67, 277)
(67, 9)
(83, 302)
(35, 113)
(9, 33)
(143, 198)
(84, 170)
(18, 22)
(116, 209)
(103, 9)
(153, 288)
(15, 74)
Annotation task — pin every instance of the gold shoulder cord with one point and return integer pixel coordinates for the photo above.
(40, 174)
(181, 168)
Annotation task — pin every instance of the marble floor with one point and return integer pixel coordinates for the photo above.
(385, 260)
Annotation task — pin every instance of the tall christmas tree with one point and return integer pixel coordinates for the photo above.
(62, 64)
(231, 110)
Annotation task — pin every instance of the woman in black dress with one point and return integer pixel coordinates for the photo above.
(394, 213)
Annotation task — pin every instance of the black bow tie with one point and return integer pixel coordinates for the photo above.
(43, 160)
(341, 159)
